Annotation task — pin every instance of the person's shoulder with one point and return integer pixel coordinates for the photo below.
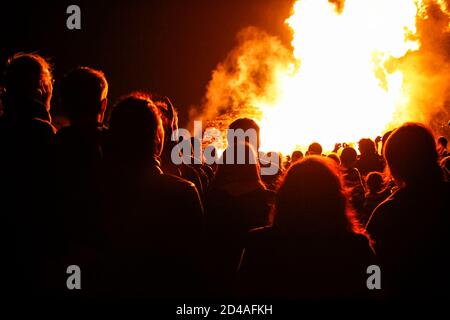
(269, 196)
(356, 172)
(389, 203)
(360, 240)
(179, 193)
(259, 238)
(260, 234)
(175, 182)
(264, 192)
(269, 192)
(382, 212)
(42, 126)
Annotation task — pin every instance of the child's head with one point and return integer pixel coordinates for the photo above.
(374, 182)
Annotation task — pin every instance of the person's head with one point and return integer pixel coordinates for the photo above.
(314, 149)
(367, 147)
(333, 156)
(248, 126)
(169, 115)
(28, 76)
(84, 95)
(411, 155)
(242, 167)
(297, 155)
(311, 199)
(374, 181)
(136, 129)
(348, 157)
(442, 142)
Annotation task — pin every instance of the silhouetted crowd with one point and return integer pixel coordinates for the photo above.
(111, 201)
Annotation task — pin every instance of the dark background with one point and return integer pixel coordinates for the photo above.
(166, 47)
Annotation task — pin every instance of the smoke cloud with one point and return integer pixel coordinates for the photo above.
(247, 74)
(427, 70)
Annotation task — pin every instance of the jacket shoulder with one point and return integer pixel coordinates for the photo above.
(43, 126)
(174, 181)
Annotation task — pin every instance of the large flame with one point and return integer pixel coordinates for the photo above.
(339, 88)
(355, 69)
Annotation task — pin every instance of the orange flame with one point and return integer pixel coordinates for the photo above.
(342, 90)
(356, 69)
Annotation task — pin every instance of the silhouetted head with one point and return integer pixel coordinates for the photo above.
(246, 124)
(84, 95)
(297, 155)
(374, 181)
(348, 157)
(335, 158)
(442, 142)
(28, 76)
(136, 130)
(311, 199)
(169, 115)
(239, 165)
(314, 149)
(411, 155)
(367, 147)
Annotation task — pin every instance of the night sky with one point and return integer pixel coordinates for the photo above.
(167, 47)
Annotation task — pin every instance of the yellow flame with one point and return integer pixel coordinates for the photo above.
(339, 89)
